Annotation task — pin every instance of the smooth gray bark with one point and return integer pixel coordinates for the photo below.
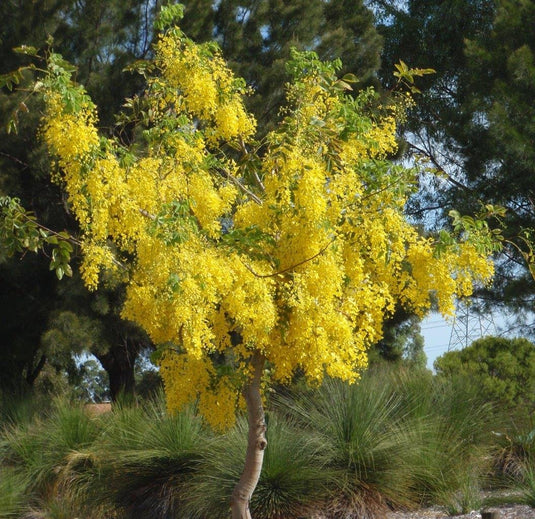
(256, 443)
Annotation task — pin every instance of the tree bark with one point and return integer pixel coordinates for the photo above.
(256, 443)
(33, 373)
(118, 363)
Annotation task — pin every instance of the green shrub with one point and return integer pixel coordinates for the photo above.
(294, 476)
(13, 491)
(144, 459)
(399, 438)
(504, 368)
(41, 447)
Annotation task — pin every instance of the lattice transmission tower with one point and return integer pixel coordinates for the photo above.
(469, 325)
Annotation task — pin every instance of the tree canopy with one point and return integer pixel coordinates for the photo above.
(475, 119)
(300, 248)
(505, 368)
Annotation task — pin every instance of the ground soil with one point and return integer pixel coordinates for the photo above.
(504, 512)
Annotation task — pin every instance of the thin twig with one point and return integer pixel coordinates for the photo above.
(254, 197)
(145, 213)
(283, 271)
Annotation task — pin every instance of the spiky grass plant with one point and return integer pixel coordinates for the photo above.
(515, 447)
(294, 475)
(447, 434)
(13, 492)
(526, 486)
(41, 447)
(399, 438)
(357, 423)
(143, 461)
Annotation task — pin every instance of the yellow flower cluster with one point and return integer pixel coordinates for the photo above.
(217, 405)
(205, 86)
(73, 135)
(304, 272)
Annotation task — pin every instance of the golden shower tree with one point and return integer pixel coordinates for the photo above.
(246, 261)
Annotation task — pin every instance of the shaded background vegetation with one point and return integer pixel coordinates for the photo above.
(474, 122)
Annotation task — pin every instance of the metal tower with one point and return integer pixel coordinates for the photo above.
(469, 325)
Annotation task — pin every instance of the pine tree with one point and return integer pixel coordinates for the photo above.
(100, 37)
(249, 265)
(475, 119)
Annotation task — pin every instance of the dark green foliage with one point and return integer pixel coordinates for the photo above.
(399, 438)
(100, 37)
(402, 341)
(475, 118)
(504, 368)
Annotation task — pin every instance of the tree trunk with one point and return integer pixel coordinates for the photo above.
(33, 373)
(256, 443)
(119, 365)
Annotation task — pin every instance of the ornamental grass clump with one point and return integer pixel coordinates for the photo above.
(293, 482)
(14, 485)
(248, 261)
(398, 439)
(143, 461)
(447, 431)
(357, 424)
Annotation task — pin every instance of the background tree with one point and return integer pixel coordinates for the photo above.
(245, 275)
(402, 340)
(475, 120)
(505, 368)
(100, 37)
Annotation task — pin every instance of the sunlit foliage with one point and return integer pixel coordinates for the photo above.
(296, 247)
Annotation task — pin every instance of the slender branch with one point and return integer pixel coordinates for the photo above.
(145, 213)
(254, 197)
(14, 159)
(70, 238)
(321, 251)
(433, 159)
(260, 183)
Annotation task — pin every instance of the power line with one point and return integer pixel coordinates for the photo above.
(469, 326)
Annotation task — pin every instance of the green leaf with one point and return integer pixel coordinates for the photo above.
(28, 50)
(169, 15)
(350, 78)
(342, 85)
(12, 126)
(157, 355)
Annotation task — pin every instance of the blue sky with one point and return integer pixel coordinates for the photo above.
(436, 332)
(439, 333)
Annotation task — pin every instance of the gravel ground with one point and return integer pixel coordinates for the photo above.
(504, 512)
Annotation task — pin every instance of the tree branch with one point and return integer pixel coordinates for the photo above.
(321, 251)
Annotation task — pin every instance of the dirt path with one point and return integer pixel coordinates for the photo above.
(504, 512)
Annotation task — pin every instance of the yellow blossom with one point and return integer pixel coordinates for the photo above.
(301, 259)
